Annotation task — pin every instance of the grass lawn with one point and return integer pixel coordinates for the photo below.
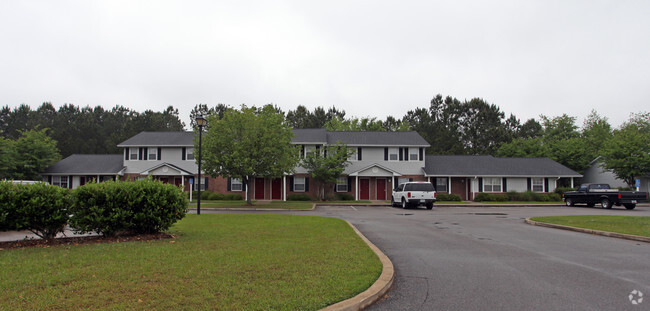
(635, 225)
(225, 262)
(242, 204)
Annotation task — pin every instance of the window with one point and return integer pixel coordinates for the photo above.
(538, 184)
(393, 154)
(414, 154)
(60, 181)
(133, 153)
(189, 154)
(308, 150)
(402, 180)
(491, 184)
(441, 184)
(153, 154)
(342, 184)
(299, 184)
(353, 154)
(235, 184)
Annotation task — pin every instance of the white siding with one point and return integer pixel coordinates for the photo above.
(169, 155)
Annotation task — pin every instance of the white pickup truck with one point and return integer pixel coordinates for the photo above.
(414, 193)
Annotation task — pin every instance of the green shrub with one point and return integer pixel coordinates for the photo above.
(483, 197)
(448, 197)
(562, 190)
(205, 195)
(39, 208)
(233, 197)
(343, 197)
(554, 197)
(298, 197)
(217, 196)
(113, 208)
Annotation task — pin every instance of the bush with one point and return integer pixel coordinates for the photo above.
(233, 197)
(298, 197)
(448, 197)
(205, 195)
(39, 208)
(483, 197)
(113, 208)
(343, 197)
(562, 190)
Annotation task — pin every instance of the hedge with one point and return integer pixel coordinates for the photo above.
(298, 197)
(527, 196)
(448, 197)
(343, 197)
(114, 207)
(39, 208)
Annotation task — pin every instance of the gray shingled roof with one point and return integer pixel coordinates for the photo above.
(322, 136)
(87, 164)
(160, 139)
(460, 165)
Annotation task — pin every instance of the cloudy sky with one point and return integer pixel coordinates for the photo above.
(369, 58)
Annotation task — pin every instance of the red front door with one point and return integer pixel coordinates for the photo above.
(259, 188)
(276, 189)
(381, 189)
(364, 189)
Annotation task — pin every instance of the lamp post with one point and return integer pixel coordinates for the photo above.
(200, 121)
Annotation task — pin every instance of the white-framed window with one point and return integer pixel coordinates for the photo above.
(299, 184)
(402, 180)
(309, 149)
(60, 181)
(353, 154)
(393, 154)
(492, 184)
(537, 184)
(342, 184)
(414, 154)
(189, 154)
(204, 183)
(441, 184)
(235, 184)
(133, 153)
(153, 154)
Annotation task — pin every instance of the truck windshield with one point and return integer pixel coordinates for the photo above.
(599, 186)
(419, 187)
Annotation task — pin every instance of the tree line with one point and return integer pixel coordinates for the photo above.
(451, 126)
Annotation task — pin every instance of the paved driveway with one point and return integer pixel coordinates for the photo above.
(465, 258)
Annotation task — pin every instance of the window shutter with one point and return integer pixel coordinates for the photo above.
(395, 182)
(243, 185)
(317, 149)
(145, 154)
(140, 154)
(205, 179)
(291, 183)
(49, 179)
(306, 184)
(406, 154)
(401, 154)
(410, 179)
(421, 154)
(350, 182)
(69, 182)
(480, 184)
(159, 153)
(302, 151)
(359, 153)
(183, 154)
(505, 184)
(229, 185)
(545, 185)
(385, 154)
(126, 153)
(529, 186)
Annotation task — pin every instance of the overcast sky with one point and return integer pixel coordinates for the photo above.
(369, 58)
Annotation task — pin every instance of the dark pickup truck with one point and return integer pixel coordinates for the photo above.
(602, 194)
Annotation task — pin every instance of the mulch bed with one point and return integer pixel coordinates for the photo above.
(83, 240)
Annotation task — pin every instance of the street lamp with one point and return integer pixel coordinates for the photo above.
(200, 121)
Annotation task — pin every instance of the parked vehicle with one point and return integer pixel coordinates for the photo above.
(413, 194)
(602, 194)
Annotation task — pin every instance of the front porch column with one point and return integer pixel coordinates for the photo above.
(356, 189)
(449, 185)
(284, 187)
(183, 182)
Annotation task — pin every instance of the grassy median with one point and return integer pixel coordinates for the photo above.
(226, 262)
(635, 225)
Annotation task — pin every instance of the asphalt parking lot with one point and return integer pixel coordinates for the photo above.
(487, 258)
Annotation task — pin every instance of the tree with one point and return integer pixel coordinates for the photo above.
(248, 143)
(7, 157)
(33, 151)
(627, 152)
(326, 166)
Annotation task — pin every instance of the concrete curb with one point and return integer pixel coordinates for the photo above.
(377, 290)
(590, 231)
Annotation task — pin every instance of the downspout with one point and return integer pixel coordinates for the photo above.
(356, 188)
(284, 187)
